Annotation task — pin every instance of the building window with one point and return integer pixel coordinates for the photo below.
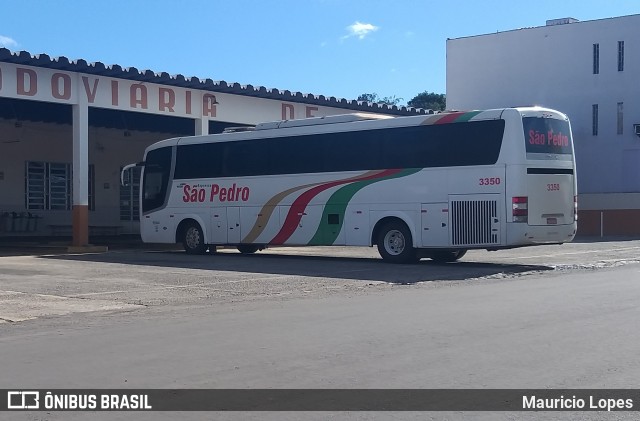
(596, 59)
(620, 117)
(49, 186)
(35, 181)
(620, 56)
(594, 119)
(129, 195)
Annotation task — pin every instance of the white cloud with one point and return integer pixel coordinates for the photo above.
(360, 30)
(7, 42)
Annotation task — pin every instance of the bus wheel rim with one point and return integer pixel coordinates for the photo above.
(394, 242)
(192, 238)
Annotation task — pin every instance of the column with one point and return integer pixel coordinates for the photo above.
(202, 126)
(80, 212)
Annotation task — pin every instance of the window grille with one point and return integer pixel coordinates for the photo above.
(49, 186)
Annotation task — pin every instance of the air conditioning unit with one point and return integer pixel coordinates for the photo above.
(636, 129)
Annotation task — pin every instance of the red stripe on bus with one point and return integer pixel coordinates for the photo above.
(300, 204)
(449, 118)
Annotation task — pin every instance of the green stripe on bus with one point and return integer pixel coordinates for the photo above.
(326, 234)
(467, 116)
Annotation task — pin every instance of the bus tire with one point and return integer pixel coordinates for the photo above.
(446, 256)
(193, 239)
(247, 248)
(395, 243)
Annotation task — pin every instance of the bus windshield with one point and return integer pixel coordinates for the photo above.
(547, 135)
(156, 177)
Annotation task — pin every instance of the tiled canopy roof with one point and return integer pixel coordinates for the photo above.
(131, 73)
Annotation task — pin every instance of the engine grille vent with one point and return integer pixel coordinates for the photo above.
(474, 222)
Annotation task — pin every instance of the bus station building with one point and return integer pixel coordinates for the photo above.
(68, 127)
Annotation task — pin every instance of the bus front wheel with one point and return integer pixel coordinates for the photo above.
(193, 239)
(395, 243)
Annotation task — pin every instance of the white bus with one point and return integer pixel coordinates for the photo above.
(420, 186)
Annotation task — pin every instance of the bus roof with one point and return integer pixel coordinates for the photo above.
(353, 121)
(313, 121)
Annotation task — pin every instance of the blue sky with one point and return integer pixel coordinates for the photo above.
(325, 47)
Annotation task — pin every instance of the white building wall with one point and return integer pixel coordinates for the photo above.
(552, 66)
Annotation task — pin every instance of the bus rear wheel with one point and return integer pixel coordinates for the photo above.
(193, 239)
(395, 243)
(247, 248)
(446, 256)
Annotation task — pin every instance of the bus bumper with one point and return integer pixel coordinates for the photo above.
(523, 234)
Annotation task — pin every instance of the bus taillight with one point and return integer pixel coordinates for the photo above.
(575, 208)
(520, 208)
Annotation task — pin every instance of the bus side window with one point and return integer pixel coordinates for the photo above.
(245, 158)
(199, 161)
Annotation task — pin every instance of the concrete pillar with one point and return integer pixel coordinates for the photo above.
(202, 126)
(80, 212)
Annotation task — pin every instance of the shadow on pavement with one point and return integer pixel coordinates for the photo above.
(47, 245)
(367, 269)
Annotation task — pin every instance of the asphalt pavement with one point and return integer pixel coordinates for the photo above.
(542, 317)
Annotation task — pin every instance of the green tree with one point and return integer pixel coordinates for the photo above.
(429, 100)
(374, 98)
(369, 97)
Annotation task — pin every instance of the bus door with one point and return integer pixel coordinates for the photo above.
(330, 227)
(435, 224)
(258, 224)
(225, 225)
(299, 225)
(218, 226)
(233, 223)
